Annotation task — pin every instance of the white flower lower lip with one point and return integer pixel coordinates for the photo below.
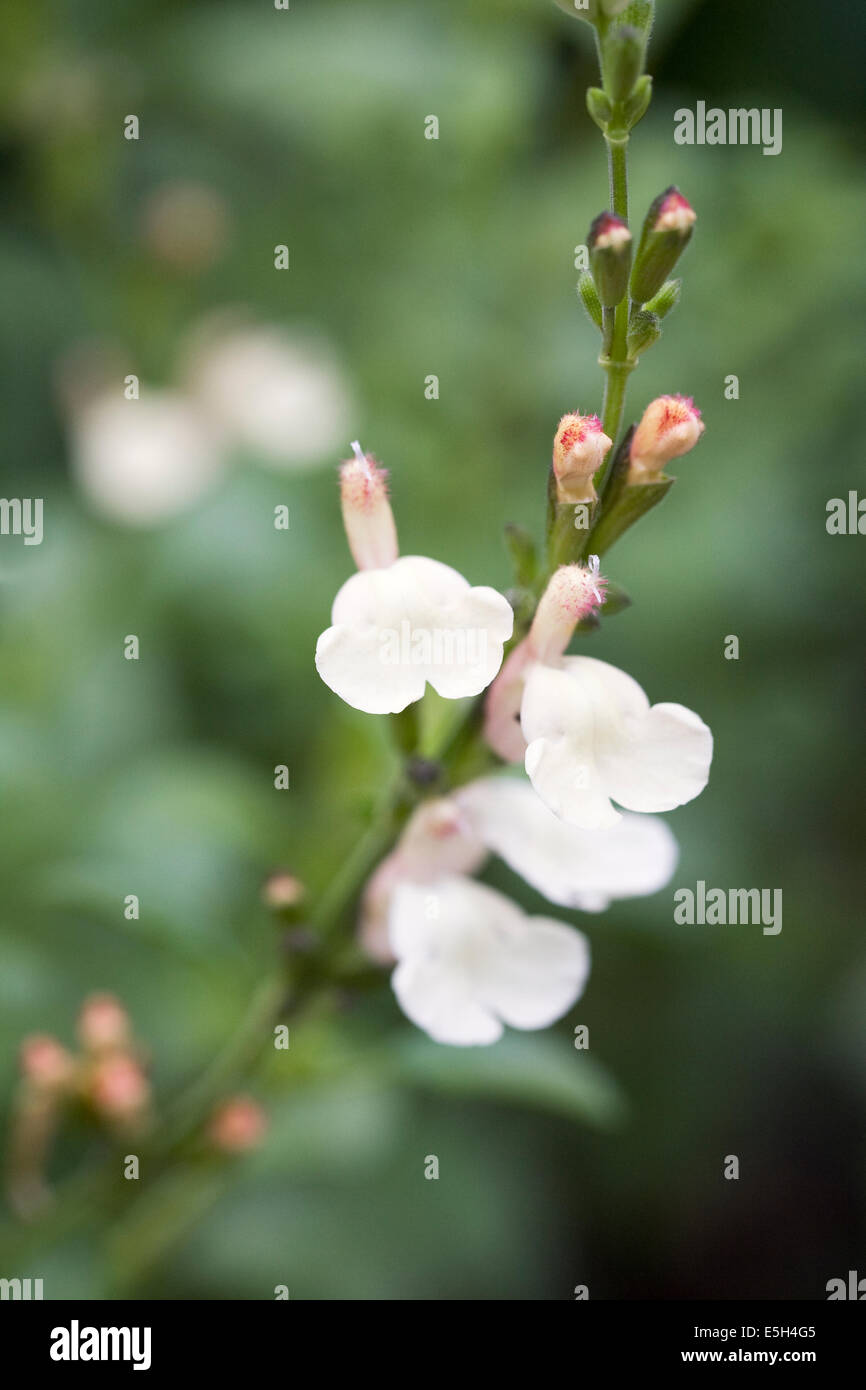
(593, 738)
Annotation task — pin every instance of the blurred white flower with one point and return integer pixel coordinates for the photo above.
(570, 866)
(284, 399)
(470, 961)
(142, 461)
(185, 224)
(399, 623)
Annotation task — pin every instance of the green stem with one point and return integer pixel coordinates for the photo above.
(615, 360)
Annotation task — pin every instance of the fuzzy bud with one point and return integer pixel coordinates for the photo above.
(237, 1126)
(623, 60)
(119, 1089)
(666, 233)
(573, 593)
(589, 298)
(671, 426)
(103, 1024)
(367, 514)
(282, 891)
(609, 244)
(45, 1063)
(579, 450)
(643, 331)
(667, 298)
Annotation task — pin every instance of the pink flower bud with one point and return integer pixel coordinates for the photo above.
(237, 1125)
(670, 426)
(283, 890)
(674, 213)
(367, 514)
(103, 1024)
(579, 450)
(573, 593)
(45, 1063)
(118, 1087)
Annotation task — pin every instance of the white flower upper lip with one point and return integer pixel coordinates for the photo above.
(465, 629)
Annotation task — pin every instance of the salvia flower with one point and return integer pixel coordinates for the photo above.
(400, 623)
(593, 739)
(573, 592)
(470, 961)
(502, 815)
(671, 426)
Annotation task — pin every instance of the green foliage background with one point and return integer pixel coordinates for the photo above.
(453, 257)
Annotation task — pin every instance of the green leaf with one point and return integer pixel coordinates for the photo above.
(539, 1071)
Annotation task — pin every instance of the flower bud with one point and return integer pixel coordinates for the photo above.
(118, 1087)
(579, 450)
(666, 232)
(623, 61)
(237, 1125)
(589, 298)
(282, 891)
(643, 331)
(599, 106)
(367, 514)
(45, 1063)
(670, 426)
(103, 1024)
(609, 244)
(635, 107)
(667, 298)
(573, 593)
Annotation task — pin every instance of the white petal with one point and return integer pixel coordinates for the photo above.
(535, 972)
(349, 660)
(573, 867)
(442, 1004)
(469, 958)
(558, 723)
(395, 629)
(593, 736)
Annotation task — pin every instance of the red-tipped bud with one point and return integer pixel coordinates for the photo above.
(573, 593)
(579, 450)
(367, 514)
(103, 1024)
(237, 1126)
(671, 426)
(666, 232)
(45, 1063)
(610, 257)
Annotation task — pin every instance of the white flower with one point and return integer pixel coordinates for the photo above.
(284, 399)
(142, 461)
(400, 623)
(593, 738)
(570, 866)
(574, 868)
(470, 961)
